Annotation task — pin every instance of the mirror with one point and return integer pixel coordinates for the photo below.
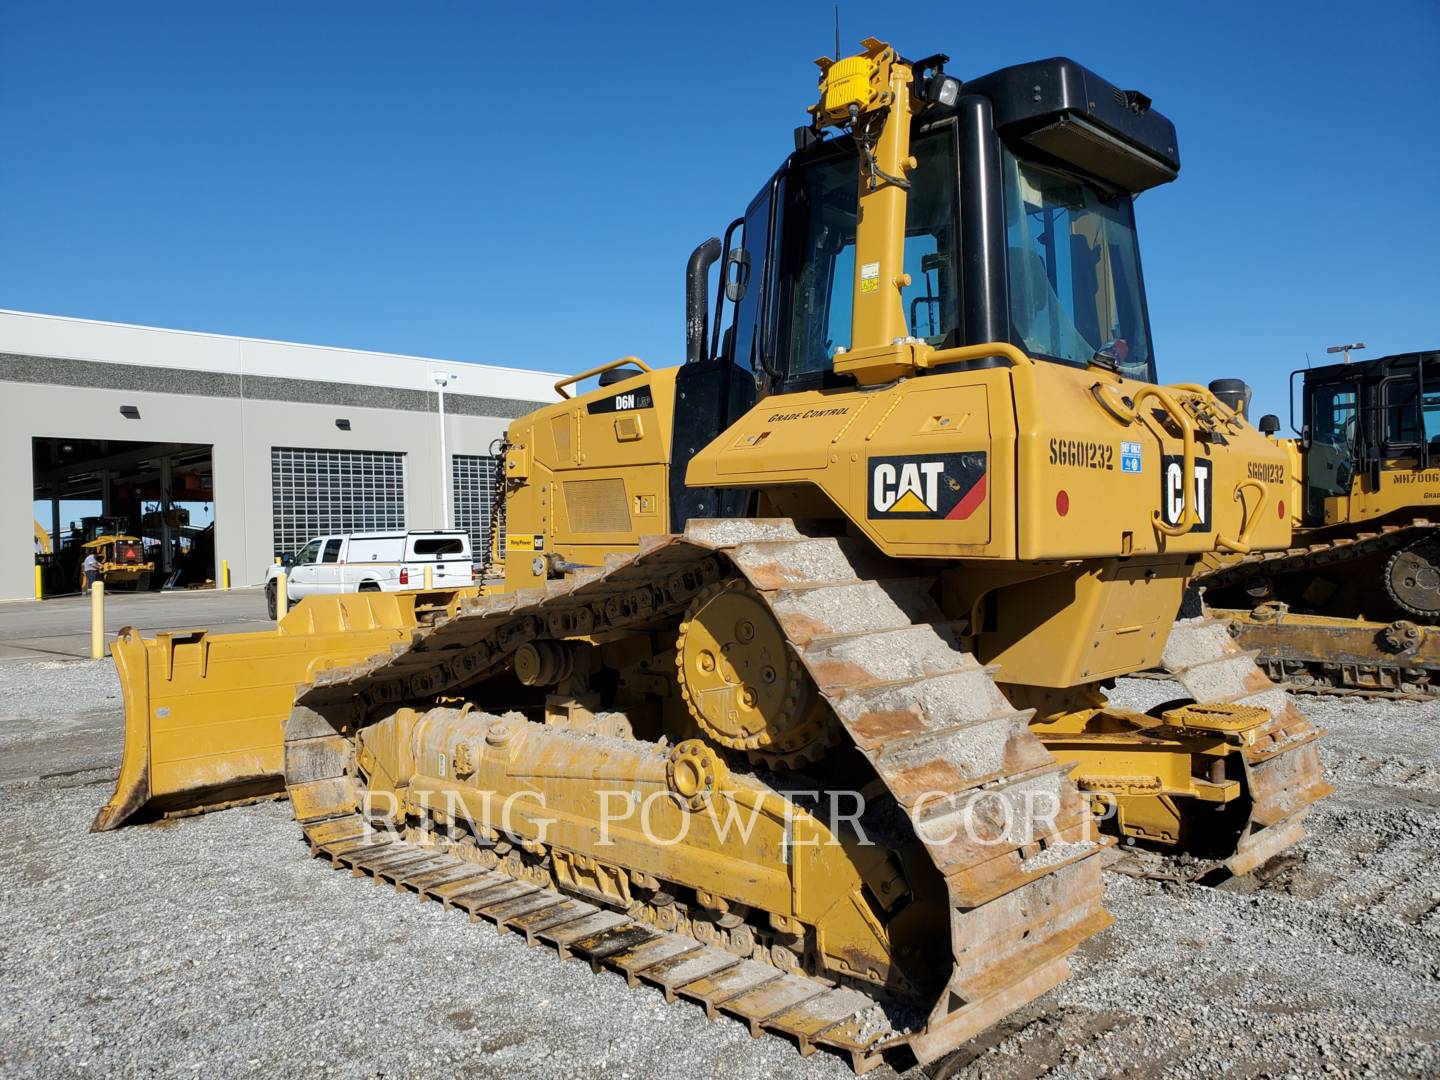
(737, 275)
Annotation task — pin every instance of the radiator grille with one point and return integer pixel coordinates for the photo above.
(597, 506)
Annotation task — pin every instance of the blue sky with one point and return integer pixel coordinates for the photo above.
(521, 184)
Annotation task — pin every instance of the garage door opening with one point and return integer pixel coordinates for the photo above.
(333, 492)
(146, 509)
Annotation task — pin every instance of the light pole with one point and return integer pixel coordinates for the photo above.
(442, 380)
(1356, 345)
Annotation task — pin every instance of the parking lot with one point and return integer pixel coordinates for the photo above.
(59, 628)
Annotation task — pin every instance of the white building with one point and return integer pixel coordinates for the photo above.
(273, 441)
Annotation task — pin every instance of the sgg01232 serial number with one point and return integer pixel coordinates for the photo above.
(1082, 454)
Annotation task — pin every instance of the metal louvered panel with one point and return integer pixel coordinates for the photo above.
(473, 484)
(597, 506)
(332, 492)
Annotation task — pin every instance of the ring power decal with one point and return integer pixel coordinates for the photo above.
(1172, 483)
(921, 486)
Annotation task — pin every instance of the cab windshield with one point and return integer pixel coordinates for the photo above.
(1074, 270)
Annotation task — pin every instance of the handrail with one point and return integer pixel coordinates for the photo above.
(560, 386)
(1200, 391)
(1241, 546)
(1229, 416)
(961, 353)
(1189, 517)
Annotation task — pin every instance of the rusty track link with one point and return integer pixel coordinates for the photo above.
(926, 715)
(1344, 658)
(1324, 677)
(1390, 537)
(1324, 684)
(1282, 763)
(1327, 655)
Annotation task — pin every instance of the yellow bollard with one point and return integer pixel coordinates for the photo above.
(97, 620)
(429, 577)
(39, 582)
(278, 560)
(282, 595)
(224, 573)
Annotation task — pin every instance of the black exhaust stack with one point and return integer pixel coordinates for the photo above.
(697, 299)
(1233, 392)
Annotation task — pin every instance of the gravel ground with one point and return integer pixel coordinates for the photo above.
(216, 945)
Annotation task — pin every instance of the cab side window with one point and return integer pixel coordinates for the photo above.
(308, 554)
(1405, 425)
(332, 551)
(752, 344)
(816, 275)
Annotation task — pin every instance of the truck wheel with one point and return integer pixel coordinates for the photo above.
(369, 586)
(270, 601)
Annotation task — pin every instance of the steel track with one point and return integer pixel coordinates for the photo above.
(920, 709)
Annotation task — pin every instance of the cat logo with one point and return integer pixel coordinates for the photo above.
(1173, 496)
(918, 486)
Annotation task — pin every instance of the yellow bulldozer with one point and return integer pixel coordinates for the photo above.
(1352, 606)
(792, 700)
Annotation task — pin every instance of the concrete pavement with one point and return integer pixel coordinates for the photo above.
(60, 628)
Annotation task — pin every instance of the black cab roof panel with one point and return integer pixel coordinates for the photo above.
(1066, 111)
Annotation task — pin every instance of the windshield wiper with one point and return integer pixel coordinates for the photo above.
(1111, 355)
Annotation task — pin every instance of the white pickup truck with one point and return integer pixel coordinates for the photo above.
(373, 562)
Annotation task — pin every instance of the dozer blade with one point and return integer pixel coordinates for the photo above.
(204, 712)
(997, 910)
(1341, 652)
(1323, 654)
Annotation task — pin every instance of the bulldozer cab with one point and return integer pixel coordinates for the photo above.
(1370, 435)
(94, 528)
(1019, 228)
(1050, 264)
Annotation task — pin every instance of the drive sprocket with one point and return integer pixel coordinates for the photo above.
(743, 685)
(1412, 578)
